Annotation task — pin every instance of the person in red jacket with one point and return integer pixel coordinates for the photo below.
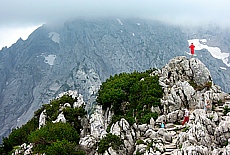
(192, 47)
(186, 116)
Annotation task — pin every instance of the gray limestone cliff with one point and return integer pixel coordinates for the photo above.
(207, 132)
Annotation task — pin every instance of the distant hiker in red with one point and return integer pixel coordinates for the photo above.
(192, 47)
(186, 116)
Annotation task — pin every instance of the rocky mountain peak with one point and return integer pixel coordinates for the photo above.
(186, 84)
(184, 69)
(81, 54)
(207, 132)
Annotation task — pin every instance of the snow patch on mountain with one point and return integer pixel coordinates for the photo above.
(203, 40)
(215, 51)
(119, 21)
(54, 36)
(50, 59)
(223, 68)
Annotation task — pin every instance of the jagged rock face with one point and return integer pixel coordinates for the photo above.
(205, 133)
(176, 77)
(184, 69)
(79, 56)
(97, 122)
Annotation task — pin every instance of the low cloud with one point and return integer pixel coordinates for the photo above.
(172, 11)
(16, 16)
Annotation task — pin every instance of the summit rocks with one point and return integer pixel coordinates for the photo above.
(186, 83)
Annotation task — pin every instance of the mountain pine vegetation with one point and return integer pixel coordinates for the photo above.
(131, 96)
(128, 95)
(53, 138)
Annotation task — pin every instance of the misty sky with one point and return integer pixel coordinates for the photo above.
(21, 17)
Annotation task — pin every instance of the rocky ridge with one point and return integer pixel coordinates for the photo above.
(186, 83)
(206, 133)
(81, 54)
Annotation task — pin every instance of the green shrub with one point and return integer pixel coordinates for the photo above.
(139, 90)
(226, 110)
(146, 118)
(72, 114)
(138, 153)
(50, 133)
(19, 136)
(193, 84)
(2, 150)
(130, 120)
(213, 107)
(225, 143)
(139, 141)
(150, 145)
(185, 129)
(52, 109)
(220, 102)
(211, 118)
(63, 147)
(109, 141)
(207, 85)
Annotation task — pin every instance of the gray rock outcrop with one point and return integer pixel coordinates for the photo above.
(206, 132)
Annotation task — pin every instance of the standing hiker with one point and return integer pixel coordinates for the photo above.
(206, 105)
(163, 124)
(192, 48)
(186, 116)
